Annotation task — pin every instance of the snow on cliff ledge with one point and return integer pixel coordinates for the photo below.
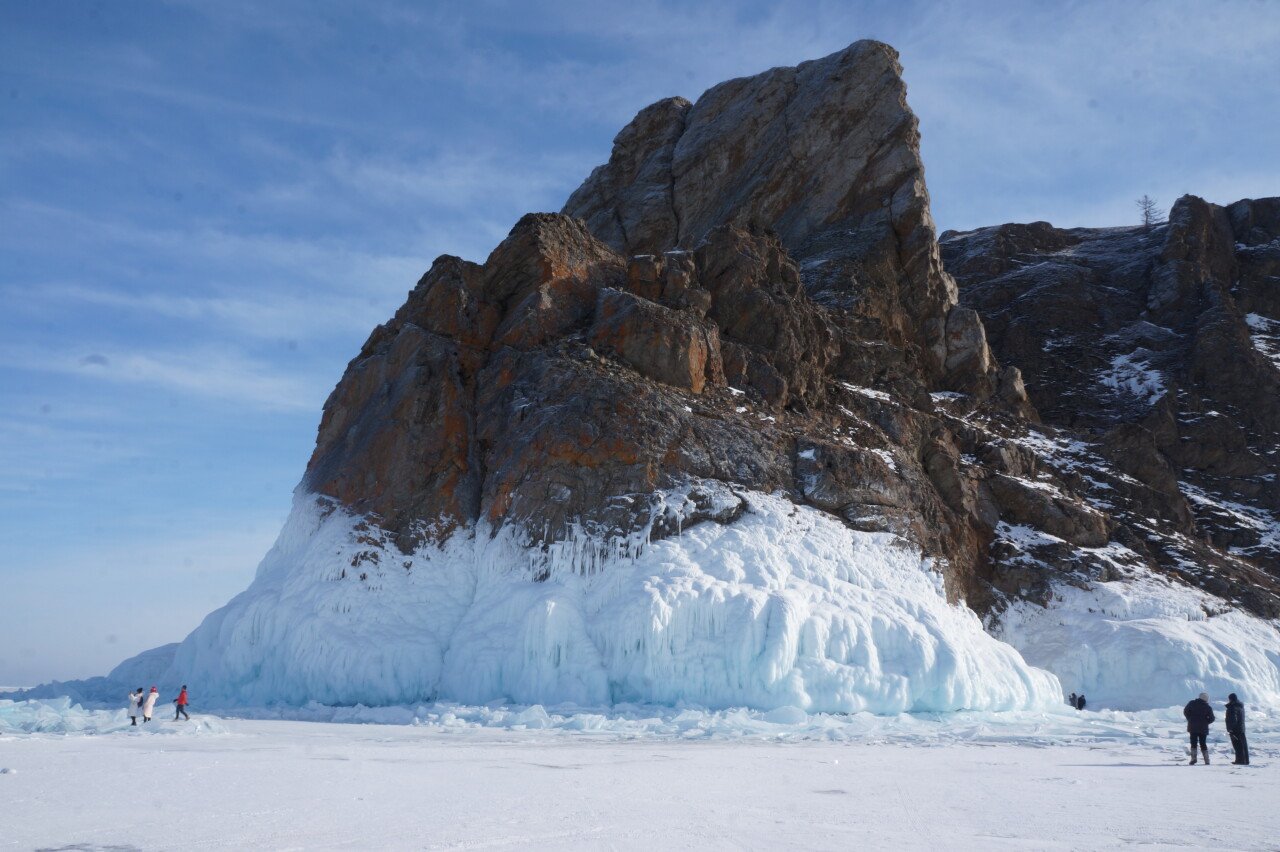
(783, 607)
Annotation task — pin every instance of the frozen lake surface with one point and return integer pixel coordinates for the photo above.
(644, 779)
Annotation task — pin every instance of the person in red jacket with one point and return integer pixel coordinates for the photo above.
(181, 701)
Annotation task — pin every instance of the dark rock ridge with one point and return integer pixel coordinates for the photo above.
(749, 294)
(1151, 347)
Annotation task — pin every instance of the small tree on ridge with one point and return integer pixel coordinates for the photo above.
(1151, 214)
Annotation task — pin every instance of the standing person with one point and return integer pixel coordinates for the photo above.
(1235, 728)
(1199, 717)
(149, 705)
(181, 701)
(135, 701)
(1072, 701)
(1080, 702)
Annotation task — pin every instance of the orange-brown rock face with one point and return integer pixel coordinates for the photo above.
(825, 154)
(677, 348)
(399, 434)
(749, 296)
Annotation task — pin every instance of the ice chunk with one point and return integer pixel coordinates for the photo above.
(62, 716)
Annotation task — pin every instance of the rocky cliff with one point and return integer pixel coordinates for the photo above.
(749, 293)
(723, 430)
(1152, 349)
(827, 156)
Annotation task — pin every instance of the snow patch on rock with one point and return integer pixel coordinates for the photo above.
(1265, 334)
(1133, 376)
(869, 393)
(1242, 515)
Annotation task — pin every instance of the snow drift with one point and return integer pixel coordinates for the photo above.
(784, 607)
(1147, 642)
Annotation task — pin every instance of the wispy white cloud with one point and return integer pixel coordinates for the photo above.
(454, 179)
(223, 284)
(133, 72)
(266, 315)
(331, 262)
(210, 372)
(451, 201)
(21, 144)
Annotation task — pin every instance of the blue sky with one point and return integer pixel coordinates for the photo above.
(206, 207)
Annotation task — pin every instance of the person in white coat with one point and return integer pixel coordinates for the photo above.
(149, 704)
(135, 705)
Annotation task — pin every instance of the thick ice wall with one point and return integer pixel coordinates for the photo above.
(783, 607)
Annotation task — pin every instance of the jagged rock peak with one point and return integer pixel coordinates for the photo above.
(825, 153)
(792, 149)
(772, 240)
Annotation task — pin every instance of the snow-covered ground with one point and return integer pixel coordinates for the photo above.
(491, 777)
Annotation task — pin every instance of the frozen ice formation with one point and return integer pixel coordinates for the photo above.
(785, 607)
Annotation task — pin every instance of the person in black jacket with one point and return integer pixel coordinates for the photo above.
(1235, 728)
(1199, 717)
(1080, 701)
